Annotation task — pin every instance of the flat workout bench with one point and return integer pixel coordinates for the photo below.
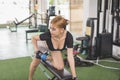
(41, 28)
(30, 31)
(58, 74)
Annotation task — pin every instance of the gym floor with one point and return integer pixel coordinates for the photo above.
(13, 45)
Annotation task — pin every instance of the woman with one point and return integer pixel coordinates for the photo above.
(57, 39)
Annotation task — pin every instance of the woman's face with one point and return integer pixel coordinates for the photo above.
(54, 30)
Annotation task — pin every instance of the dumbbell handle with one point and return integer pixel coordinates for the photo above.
(44, 56)
(41, 55)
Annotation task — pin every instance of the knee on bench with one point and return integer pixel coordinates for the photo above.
(62, 73)
(59, 67)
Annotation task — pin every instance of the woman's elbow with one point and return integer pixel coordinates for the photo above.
(35, 38)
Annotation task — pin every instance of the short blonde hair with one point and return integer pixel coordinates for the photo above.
(60, 22)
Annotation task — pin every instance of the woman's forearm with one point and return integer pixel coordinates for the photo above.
(34, 42)
(72, 65)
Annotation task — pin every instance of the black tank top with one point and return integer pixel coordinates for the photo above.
(47, 37)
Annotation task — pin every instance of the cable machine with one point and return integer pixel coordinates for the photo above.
(104, 39)
(115, 11)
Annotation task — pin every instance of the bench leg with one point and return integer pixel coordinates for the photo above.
(26, 38)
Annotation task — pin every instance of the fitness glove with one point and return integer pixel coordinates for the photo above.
(40, 55)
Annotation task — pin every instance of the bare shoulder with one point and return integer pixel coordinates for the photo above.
(36, 37)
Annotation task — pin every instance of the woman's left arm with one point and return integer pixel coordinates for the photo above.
(71, 61)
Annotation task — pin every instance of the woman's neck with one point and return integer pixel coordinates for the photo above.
(61, 36)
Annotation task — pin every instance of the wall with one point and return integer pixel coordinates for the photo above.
(89, 10)
(76, 16)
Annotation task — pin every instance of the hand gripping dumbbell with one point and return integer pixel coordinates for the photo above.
(42, 56)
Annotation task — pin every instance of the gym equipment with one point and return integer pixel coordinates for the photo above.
(89, 39)
(41, 28)
(79, 61)
(87, 45)
(30, 31)
(16, 23)
(104, 39)
(51, 11)
(58, 74)
(115, 13)
(99, 46)
(104, 43)
(42, 56)
(116, 18)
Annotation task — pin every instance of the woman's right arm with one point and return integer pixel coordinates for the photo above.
(34, 42)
